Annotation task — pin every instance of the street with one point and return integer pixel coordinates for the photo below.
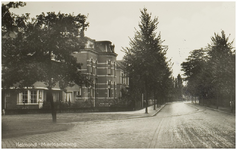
(177, 125)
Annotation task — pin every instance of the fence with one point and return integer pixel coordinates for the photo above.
(66, 110)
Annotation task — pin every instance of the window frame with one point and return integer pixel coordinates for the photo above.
(33, 96)
(25, 97)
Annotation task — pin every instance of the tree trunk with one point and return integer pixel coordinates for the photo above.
(157, 100)
(154, 101)
(217, 100)
(50, 98)
(146, 104)
(146, 93)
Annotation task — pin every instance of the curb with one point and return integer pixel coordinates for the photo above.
(222, 111)
(162, 106)
(215, 109)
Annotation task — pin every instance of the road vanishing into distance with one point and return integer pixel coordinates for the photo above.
(177, 125)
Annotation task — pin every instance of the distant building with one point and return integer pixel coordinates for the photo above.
(99, 63)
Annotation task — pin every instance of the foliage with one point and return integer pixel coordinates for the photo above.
(178, 87)
(41, 50)
(10, 22)
(145, 58)
(211, 72)
(196, 72)
(222, 64)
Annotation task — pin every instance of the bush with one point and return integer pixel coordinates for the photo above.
(57, 105)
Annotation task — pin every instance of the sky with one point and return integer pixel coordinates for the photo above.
(184, 26)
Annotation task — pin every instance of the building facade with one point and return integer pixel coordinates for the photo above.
(99, 63)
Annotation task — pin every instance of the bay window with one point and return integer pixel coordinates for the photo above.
(30, 97)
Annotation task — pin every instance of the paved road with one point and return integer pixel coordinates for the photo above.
(177, 125)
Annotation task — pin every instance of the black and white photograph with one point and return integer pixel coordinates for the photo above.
(118, 74)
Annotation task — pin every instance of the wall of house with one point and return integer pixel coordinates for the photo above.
(11, 97)
(106, 79)
(14, 100)
(103, 91)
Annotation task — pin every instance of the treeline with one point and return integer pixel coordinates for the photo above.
(40, 49)
(210, 72)
(146, 64)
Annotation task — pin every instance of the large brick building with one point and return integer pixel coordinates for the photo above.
(99, 63)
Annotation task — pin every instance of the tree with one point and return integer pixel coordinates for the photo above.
(145, 58)
(41, 50)
(196, 73)
(211, 72)
(179, 87)
(222, 62)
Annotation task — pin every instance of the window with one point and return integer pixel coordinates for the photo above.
(122, 78)
(92, 67)
(68, 97)
(30, 97)
(40, 94)
(109, 92)
(106, 50)
(25, 96)
(109, 67)
(33, 96)
(92, 92)
(111, 70)
(114, 69)
(96, 67)
(109, 88)
(114, 90)
(78, 93)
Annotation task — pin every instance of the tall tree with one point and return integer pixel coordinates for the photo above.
(211, 73)
(41, 50)
(145, 58)
(222, 58)
(197, 73)
(179, 86)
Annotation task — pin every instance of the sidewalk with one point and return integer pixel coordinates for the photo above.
(220, 109)
(150, 109)
(139, 113)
